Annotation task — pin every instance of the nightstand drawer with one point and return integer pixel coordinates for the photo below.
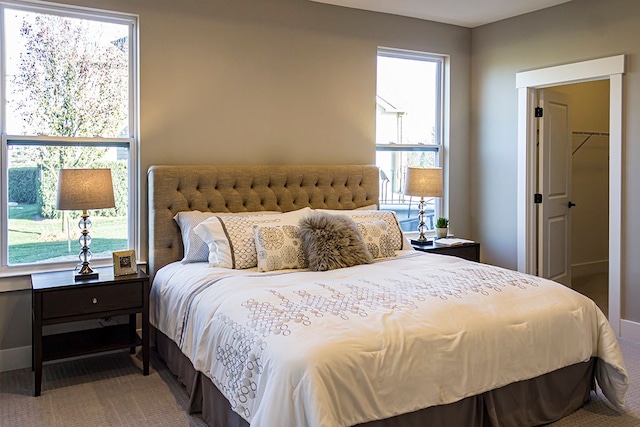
(466, 252)
(93, 299)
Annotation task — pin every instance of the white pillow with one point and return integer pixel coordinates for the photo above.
(231, 240)
(376, 237)
(279, 247)
(398, 241)
(195, 249)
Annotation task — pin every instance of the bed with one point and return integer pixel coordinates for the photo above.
(261, 334)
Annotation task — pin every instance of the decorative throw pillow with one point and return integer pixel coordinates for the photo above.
(195, 249)
(398, 241)
(231, 240)
(332, 241)
(279, 247)
(376, 237)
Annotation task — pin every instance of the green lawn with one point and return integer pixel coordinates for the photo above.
(32, 239)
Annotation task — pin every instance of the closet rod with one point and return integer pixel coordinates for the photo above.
(590, 133)
(588, 137)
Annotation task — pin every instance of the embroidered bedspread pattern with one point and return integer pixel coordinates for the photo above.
(348, 346)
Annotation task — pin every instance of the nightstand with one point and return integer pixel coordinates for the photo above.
(57, 298)
(469, 251)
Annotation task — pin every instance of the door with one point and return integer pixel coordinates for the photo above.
(554, 183)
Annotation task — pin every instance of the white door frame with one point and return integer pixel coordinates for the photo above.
(611, 68)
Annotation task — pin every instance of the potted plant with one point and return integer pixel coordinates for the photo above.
(442, 227)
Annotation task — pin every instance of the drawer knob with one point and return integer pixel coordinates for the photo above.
(95, 300)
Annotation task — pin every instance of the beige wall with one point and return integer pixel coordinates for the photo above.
(575, 31)
(272, 81)
(589, 112)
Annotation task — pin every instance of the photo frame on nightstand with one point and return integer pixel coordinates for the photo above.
(124, 262)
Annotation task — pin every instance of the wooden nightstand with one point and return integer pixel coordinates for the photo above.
(57, 298)
(470, 251)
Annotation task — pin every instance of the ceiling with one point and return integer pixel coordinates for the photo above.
(466, 13)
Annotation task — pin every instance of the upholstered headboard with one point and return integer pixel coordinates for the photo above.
(247, 188)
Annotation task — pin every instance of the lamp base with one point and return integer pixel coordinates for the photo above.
(79, 277)
(83, 271)
(421, 242)
(85, 274)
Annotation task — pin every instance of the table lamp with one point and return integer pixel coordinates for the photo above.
(83, 189)
(423, 182)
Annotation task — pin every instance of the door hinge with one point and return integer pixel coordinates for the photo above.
(537, 198)
(538, 112)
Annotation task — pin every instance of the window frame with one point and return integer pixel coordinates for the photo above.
(439, 148)
(131, 141)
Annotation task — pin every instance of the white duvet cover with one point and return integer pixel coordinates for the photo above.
(300, 348)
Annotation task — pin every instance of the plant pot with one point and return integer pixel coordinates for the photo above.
(441, 233)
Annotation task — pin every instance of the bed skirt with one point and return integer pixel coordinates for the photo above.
(532, 402)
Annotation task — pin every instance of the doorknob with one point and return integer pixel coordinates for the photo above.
(570, 205)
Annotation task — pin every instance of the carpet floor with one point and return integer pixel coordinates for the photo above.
(109, 390)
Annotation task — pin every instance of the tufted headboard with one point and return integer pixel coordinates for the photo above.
(247, 188)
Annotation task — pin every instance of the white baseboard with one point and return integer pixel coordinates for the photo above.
(15, 358)
(630, 330)
(589, 268)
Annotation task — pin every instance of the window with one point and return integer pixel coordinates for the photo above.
(409, 115)
(69, 101)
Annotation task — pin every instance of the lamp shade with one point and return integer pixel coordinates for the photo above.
(424, 182)
(82, 189)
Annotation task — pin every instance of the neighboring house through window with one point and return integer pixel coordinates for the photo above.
(409, 115)
(68, 101)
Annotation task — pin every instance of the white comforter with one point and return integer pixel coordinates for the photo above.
(300, 348)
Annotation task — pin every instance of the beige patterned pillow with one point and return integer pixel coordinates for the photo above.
(376, 237)
(279, 247)
(394, 230)
(231, 240)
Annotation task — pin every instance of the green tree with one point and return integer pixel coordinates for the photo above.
(69, 83)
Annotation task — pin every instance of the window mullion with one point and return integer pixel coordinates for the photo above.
(4, 206)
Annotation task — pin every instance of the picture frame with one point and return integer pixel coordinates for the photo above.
(124, 262)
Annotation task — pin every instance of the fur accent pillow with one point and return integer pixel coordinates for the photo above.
(332, 241)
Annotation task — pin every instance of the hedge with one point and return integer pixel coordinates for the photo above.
(23, 185)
